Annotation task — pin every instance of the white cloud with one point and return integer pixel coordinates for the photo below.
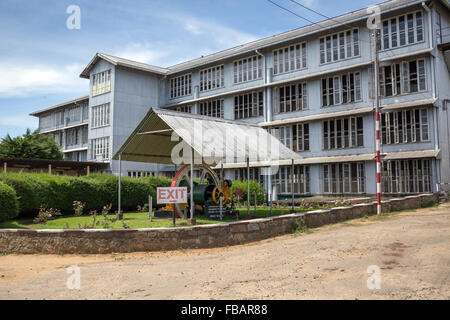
(142, 52)
(221, 35)
(24, 80)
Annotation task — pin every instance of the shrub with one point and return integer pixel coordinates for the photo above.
(9, 204)
(94, 191)
(255, 187)
(25, 188)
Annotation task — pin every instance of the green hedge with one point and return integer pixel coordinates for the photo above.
(96, 191)
(9, 204)
(255, 187)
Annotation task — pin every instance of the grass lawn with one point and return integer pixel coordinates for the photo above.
(135, 220)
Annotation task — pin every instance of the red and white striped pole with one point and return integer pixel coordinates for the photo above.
(377, 121)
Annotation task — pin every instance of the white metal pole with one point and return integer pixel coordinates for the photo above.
(248, 186)
(192, 184)
(120, 186)
(150, 207)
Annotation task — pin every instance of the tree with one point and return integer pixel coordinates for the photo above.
(30, 146)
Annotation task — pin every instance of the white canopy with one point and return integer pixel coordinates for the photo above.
(166, 136)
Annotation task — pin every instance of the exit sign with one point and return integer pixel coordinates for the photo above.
(171, 195)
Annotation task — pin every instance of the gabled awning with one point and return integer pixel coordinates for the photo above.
(163, 135)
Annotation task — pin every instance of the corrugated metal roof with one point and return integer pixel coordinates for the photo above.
(304, 160)
(260, 44)
(412, 154)
(319, 116)
(62, 104)
(117, 61)
(212, 139)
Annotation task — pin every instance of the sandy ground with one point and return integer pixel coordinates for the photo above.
(412, 250)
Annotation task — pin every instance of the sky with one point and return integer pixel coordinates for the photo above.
(41, 58)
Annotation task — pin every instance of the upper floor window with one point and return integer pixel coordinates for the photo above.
(59, 119)
(247, 69)
(212, 108)
(73, 114)
(76, 136)
(181, 86)
(405, 126)
(402, 30)
(339, 46)
(101, 82)
(101, 115)
(344, 88)
(289, 58)
(212, 78)
(46, 122)
(402, 77)
(294, 137)
(293, 97)
(100, 148)
(248, 105)
(343, 133)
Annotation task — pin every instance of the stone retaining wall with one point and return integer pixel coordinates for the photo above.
(202, 236)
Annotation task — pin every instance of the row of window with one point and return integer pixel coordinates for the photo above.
(181, 86)
(407, 176)
(249, 105)
(212, 108)
(294, 137)
(402, 78)
(139, 174)
(344, 88)
(212, 78)
(101, 115)
(285, 177)
(247, 69)
(343, 133)
(100, 148)
(405, 126)
(289, 59)
(402, 30)
(339, 46)
(76, 136)
(399, 176)
(101, 82)
(63, 118)
(289, 98)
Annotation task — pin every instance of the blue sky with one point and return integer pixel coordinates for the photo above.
(41, 59)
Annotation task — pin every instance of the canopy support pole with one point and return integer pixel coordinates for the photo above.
(192, 184)
(248, 186)
(119, 205)
(292, 186)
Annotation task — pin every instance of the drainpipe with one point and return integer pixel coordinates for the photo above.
(265, 81)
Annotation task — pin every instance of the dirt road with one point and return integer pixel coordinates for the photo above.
(412, 250)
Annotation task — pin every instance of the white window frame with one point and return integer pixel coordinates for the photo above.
(350, 46)
(247, 69)
(212, 78)
(181, 86)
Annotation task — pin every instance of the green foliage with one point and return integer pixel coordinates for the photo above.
(25, 187)
(30, 146)
(9, 204)
(255, 187)
(95, 191)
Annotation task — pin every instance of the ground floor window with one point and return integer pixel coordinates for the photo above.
(338, 178)
(284, 176)
(407, 176)
(255, 174)
(213, 108)
(139, 174)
